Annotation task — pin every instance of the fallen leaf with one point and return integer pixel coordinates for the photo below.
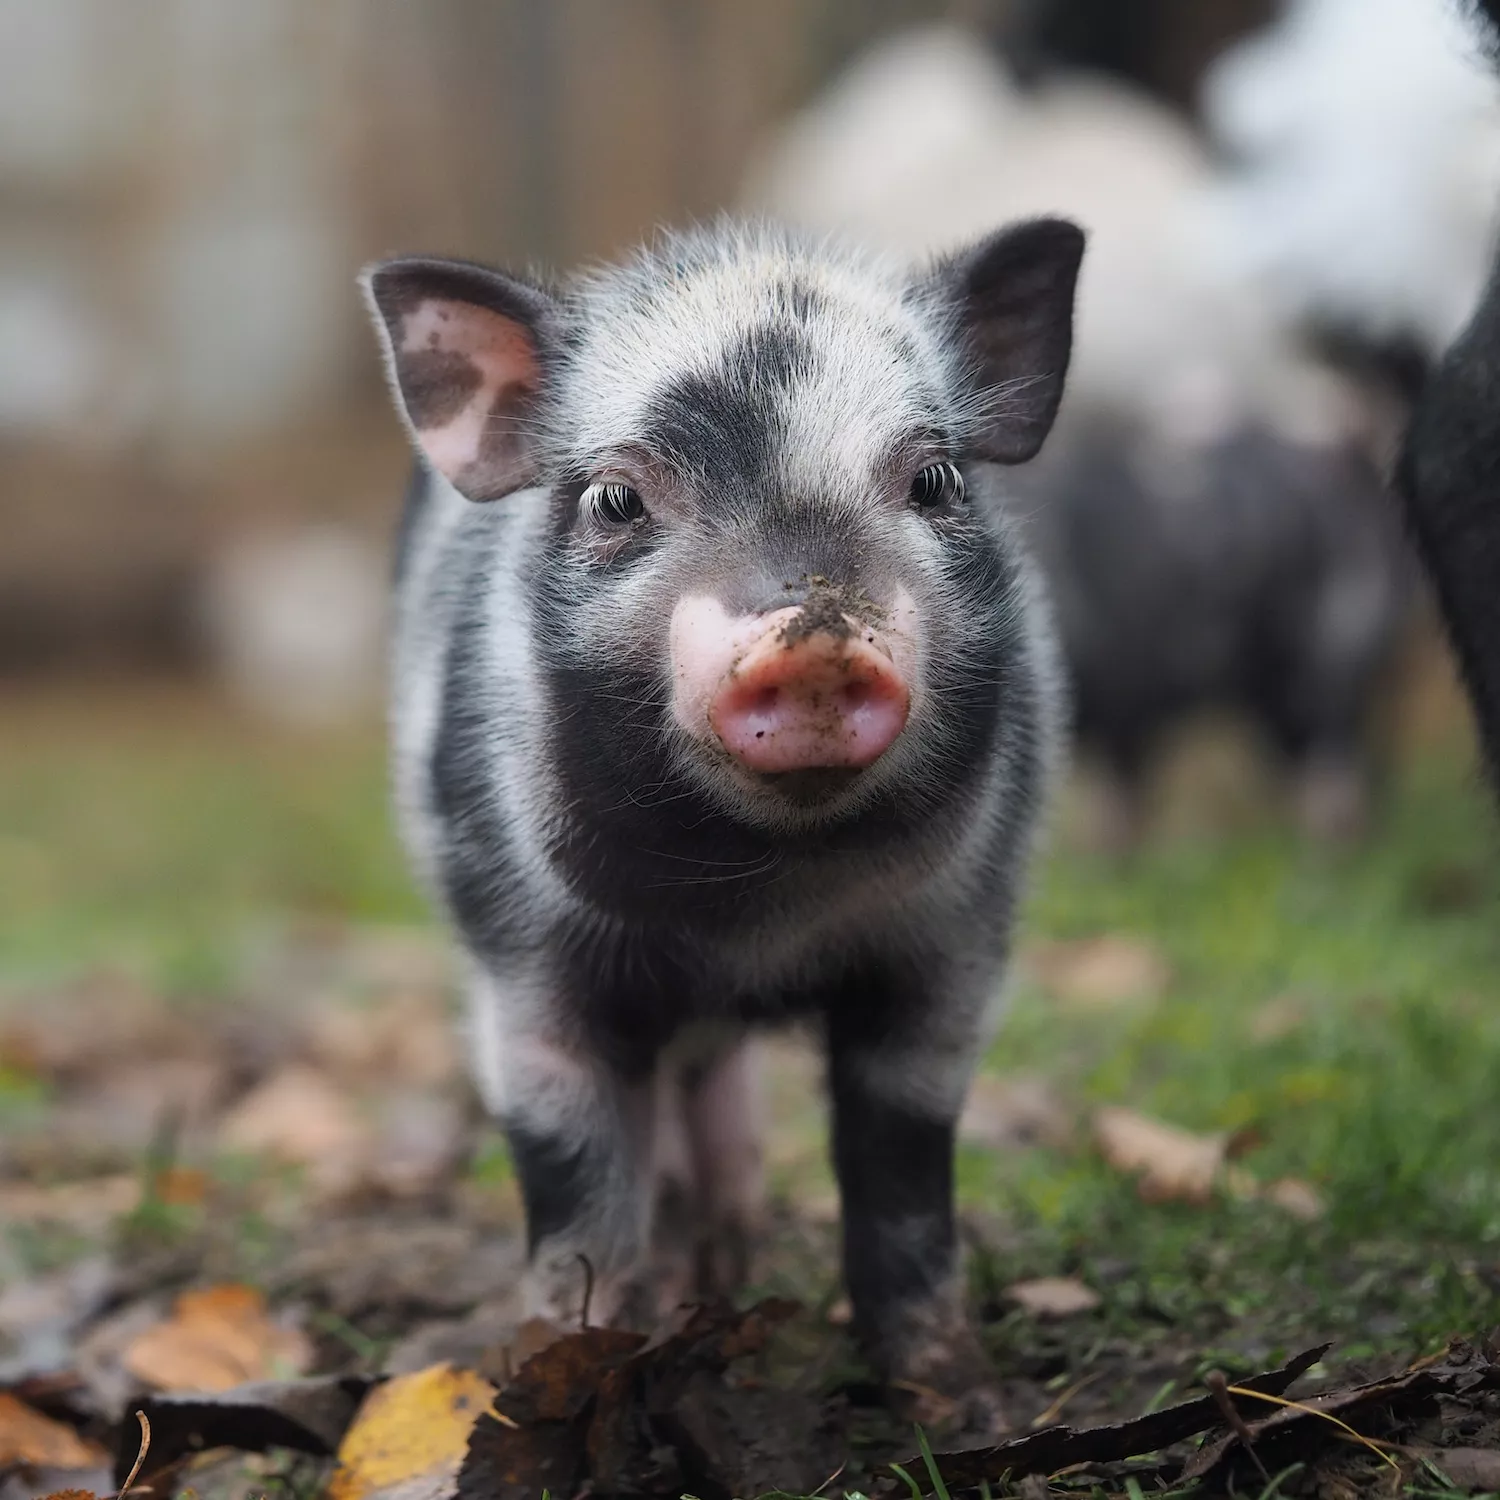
(556, 1382)
(84, 1206)
(408, 1039)
(215, 1339)
(27, 1437)
(301, 1116)
(534, 1335)
(309, 1416)
(182, 1187)
(411, 1436)
(1300, 1199)
(1054, 1448)
(1101, 971)
(1463, 1370)
(604, 1403)
(1467, 1468)
(1172, 1165)
(1014, 1111)
(1052, 1296)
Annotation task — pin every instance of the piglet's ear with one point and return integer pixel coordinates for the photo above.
(1013, 293)
(467, 350)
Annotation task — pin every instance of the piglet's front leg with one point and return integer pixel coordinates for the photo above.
(895, 1110)
(580, 1137)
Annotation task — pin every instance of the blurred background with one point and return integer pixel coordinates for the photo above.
(1291, 206)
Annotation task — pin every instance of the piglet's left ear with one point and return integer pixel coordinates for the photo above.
(1013, 293)
(468, 350)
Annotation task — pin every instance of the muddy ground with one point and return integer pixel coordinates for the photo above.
(299, 1184)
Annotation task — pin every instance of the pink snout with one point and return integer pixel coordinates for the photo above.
(799, 699)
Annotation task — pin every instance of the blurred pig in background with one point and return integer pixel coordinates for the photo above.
(1210, 510)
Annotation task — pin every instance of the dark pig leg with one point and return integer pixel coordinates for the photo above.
(581, 1138)
(896, 1100)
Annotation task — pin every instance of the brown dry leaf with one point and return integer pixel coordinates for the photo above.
(411, 1435)
(1013, 1111)
(407, 1039)
(83, 1205)
(1052, 1296)
(1468, 1468)
(301, 1116)
(27, 1437)
(1172, 1164)
(183, 1187)
(216, 1339)
(1178, 1166)
(1101, 972)
(534, 1335)
(1300, 1199)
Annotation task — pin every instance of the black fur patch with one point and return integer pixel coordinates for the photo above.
(722, 426)
(895, 1172)
(556, 1180)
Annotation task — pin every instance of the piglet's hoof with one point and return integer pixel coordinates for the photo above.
(977, 1412)
(943, 1379)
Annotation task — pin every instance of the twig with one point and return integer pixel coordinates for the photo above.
(141, 1453)
(1219, 1388)
(588, 1290)
(1053, 1412)
(831, 1478)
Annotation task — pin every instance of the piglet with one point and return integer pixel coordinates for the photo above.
(725, 698)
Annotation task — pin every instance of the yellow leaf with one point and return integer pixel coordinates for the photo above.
(411, 1434)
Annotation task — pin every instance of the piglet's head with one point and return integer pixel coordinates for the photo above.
(765, 570)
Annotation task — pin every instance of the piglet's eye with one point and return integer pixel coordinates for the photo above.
(937, 484)
(613, 503)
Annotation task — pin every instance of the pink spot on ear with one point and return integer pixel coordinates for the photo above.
(469, 443)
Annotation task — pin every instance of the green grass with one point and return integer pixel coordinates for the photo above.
(159, 838)
(1384, 1096)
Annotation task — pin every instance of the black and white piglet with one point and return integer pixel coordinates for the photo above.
(731, 703)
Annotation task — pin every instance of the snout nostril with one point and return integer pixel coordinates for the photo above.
(766, 699)
(856, 695)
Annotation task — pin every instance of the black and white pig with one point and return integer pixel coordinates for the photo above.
(1242, 570)
(731, 702)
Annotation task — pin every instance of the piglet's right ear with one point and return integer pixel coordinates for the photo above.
(467, 350)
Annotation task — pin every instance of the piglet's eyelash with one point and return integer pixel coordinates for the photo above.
(612, 502)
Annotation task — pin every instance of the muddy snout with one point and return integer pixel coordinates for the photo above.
(810, 691)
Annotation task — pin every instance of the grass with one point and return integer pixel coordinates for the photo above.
(1383, 967)
(157, 835)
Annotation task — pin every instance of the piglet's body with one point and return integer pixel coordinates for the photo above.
(732, 707)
